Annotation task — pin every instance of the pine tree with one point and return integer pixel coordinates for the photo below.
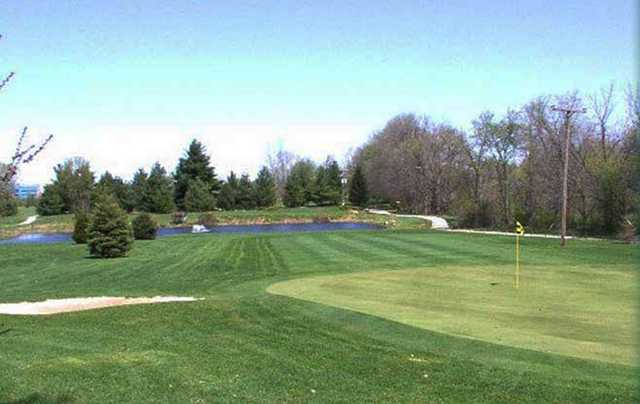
(229, 193)
(334, 182)
(320, 186)
(194, 165)
(199, 197)
(246, 194)
(158, 192)
(328, 187)
(81, 228)
(145, 227)
(300, 188)
(8, 203)
(106, 184)
(358, 193)
(138, 186)
(118, 188)
(265, 189)
(110, 234)
(50, 202)
(74, 183)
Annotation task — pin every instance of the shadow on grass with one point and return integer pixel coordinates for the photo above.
(8, 330)
(37, 398)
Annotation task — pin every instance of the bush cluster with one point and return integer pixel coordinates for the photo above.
(208, 220)
(145, 227)
(322, 219)
(110, 234)
(8, 204)
(81, 228)
(179, 217)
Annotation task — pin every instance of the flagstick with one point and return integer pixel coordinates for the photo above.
(517, 261)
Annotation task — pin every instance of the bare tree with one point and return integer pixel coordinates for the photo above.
(602, 105)
(280, 164)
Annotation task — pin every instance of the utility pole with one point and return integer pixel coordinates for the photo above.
(568, 113)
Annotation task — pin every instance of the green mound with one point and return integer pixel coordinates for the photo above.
(559, 310)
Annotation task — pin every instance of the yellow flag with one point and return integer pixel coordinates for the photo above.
(519, 228)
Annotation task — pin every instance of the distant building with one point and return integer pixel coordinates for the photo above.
(25, 191)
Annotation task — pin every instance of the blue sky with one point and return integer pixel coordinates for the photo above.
(126, 83)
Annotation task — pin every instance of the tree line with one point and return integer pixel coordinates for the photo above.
(505, 168)
(194, 186)
(510, 167)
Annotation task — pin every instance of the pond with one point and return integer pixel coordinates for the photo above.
(51, 238)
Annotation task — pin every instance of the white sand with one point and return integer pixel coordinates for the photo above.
(30, 220)
(55, 306)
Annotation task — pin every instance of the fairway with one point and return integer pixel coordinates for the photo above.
(567, 311)
(394, 316)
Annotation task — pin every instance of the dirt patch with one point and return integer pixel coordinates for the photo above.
(55, 306)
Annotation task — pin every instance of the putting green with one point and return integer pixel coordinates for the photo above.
(580, 312)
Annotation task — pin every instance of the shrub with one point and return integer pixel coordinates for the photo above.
(322, 219)
(628, 232)
(179, 217)
(8, 204)
(145, 227)
(31, 201)
(80, 228)
(110, 234)
(208, 220)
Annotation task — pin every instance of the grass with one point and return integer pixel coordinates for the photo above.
(245, 344)
(482, 303)
(11, 221)
(9, 226)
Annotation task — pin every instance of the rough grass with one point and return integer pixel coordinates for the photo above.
(243, 344)
(11, 221)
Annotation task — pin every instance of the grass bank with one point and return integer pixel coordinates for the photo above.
(9, 227)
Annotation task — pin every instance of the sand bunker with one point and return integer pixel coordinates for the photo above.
(55, 306)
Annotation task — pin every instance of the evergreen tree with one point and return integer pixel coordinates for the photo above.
(74, 181)
(138, 187)
(300, 188)
(145, 227)
(265, 188)
(194, 165)
(246, 195)
(334, 182)
(8, 203)
(106, 184)
(320, 186)
(328, 188)
(51, 202)
(229, 193)
(199, 197)
(81, 228)
(118, 188)
(110, 234)
(358, 193)
(158, 191)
